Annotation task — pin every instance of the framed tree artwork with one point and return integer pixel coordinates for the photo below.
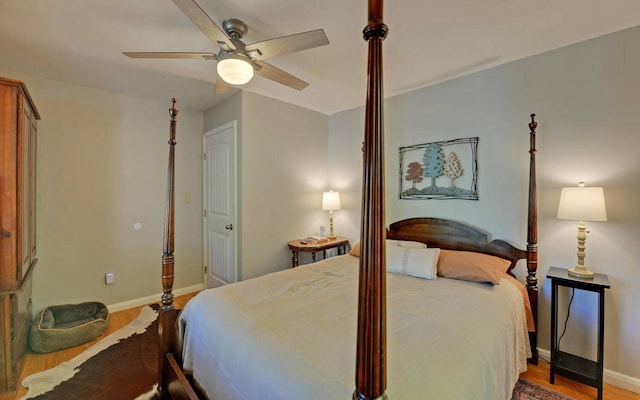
(439, 170)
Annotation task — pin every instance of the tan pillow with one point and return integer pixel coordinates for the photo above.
(471, 266)
(355, 251)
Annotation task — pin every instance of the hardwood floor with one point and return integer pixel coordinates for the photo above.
(538, 374)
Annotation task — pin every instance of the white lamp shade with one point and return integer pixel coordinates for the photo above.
(235, 70)
(582, 204)
(330, 200)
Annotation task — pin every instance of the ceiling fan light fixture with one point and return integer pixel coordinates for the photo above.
(235, 69)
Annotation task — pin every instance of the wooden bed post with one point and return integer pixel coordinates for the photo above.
(167, 311)
(371, 362)
(532, 238)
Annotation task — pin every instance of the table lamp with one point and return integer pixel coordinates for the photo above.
(582, 204)
(331, 201)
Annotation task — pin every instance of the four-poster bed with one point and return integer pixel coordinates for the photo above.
(287, 338)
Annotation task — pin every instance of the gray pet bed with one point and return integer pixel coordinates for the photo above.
(60, 327)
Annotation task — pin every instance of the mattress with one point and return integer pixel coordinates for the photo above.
(292, 334)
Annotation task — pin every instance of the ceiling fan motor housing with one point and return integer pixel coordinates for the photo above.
(235, 28)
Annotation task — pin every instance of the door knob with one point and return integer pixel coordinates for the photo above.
(5, 233)
(229, 227)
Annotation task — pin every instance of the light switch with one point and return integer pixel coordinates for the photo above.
(186, 198)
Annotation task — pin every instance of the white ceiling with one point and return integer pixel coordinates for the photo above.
(81, 42)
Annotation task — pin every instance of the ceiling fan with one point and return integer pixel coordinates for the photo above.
(237, 61)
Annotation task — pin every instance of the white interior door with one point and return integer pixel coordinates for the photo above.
(219, 205)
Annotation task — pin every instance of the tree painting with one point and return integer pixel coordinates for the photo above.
(414, 173)
(433, 162)
(452, 168)
(447, 160)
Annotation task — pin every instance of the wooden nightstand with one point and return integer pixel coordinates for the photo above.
(571, 366)
(296, 246)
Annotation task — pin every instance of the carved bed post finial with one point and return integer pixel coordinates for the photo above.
(371, 363)
(533, 125)
(532, 236)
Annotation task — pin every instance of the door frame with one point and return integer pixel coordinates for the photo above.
(205, 243)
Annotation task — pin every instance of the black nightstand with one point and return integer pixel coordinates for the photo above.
(571, 366)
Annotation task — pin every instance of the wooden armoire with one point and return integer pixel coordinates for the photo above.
(18, 137)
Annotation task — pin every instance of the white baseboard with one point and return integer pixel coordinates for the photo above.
(125, 305)
(611, 377)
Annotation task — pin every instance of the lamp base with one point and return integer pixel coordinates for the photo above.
(581, 272)
(331, 235)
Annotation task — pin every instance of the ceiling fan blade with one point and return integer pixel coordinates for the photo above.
(162, 54)
(276, 74)
(221, 86)
(200, 18)
(289, 44)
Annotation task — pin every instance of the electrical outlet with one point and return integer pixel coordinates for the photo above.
(109, 278)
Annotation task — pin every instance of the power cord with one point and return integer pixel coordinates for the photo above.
(573, 292)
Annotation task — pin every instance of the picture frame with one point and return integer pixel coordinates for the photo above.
(441, 170)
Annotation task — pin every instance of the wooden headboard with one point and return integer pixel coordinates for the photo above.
(452, 235)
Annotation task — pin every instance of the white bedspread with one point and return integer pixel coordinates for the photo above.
(292, 334)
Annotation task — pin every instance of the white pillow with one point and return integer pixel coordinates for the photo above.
(421, 263)
(406, 243)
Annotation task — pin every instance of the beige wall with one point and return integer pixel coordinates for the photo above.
(587, 98)
(102, 160)
(283, 155)
(284, 160)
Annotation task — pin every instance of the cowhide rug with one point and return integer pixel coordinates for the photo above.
(123, 365)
